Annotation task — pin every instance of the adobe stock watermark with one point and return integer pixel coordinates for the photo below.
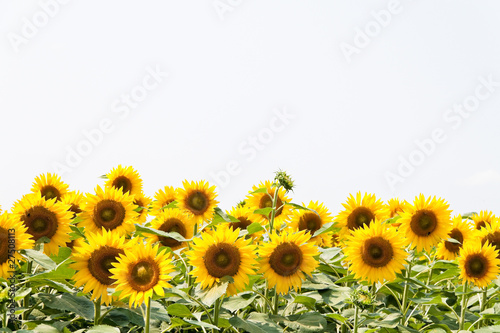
(30, 27)
(454, 116)
(223, 7)
(250, 147)
(121, 106)
(364, 36)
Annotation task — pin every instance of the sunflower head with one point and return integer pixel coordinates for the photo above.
(12, 228)
(284, 180)
(172, 220)
(141, 272)
(110, 209)
(221, 253)
(286, 259)
(75, 201)
(396, 206)
(311, 221)
(258, 200)
(45, 218)
(142, 202)
(246, 217)
(125, 179)
(426, 222)
(461, 233)
(162, 198)
(483, 219)
(491, 233)
(197, 199)
(478, 263)
(50, 186)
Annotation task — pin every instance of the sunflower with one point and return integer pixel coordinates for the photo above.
(109, 208)
(396, 206)
(198, 199)
(478, 263)
(286, 259)
(265, 200)
(461, 232)
(172, 220)
(75, 201)
(94, 260)
(143, 203)
(426, 222)
(483, 218)
(162, 199)
(375, 253)
(45, 218)
(491, 233)
(50, 185)
(246, 217)
(142, 271)
(220, 254)
(125, 179)
(360, 211)
(11, 228)
(312, 221)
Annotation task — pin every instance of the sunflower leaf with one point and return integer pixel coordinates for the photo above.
(453, 240)
(294, 205)
(179, 310)
(41, 259)
(175, 235)
(104, 177)
(209, 296)
(254, 227)
(264, 211)
(224, 216)
(172, 204)
(104, 329)
(253, 327)
(260, 190)
(327, 227)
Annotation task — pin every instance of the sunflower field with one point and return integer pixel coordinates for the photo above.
(116, 260)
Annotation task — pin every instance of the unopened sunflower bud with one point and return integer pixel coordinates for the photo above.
(283, 179)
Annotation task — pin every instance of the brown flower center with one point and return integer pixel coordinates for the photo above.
(377, 252)
(4, 245)
(122, 183)
(310, 222)
(243, 224)
(222, 260)
(75, 209)
(140, 204)
(286, 259)
(172, 225)
(100, 263)
(454, 247)
(109, 214)
(267, 201)
(359, 217)
(423, 223)
(197, 202)
(144, 275)
(40, 222)
(480, 224)
(50, 192)
(494, 239)
(476, 266)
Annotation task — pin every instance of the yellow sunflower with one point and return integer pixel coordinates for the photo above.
(483, 218)
(93, 261)
(172, 220)
(491, 233)
(125, 179)
(310, 222)
(375, 253)
(478, 263)
(142, 271)
(75, 201)
(198, 199)
(286, 259)
(396, 206)
(142, 201)
(246, 217)
(360, 211)
(265, 200)
(109, 208)
(426, 222)
(13, 238)
(220, 254)
(50, 185)
(162, 198)
(45, 218)
(461, 232)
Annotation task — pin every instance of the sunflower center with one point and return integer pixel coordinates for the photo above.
(377, 252)
(480, 224)
(109, 214)
(40, 222)
(172, 225)
(4, 245)
(454, 247)
(286, 259)
(267, 201)
(476, 266)
(197, 202)
(100, 263)
(359, 217)
(243, 224)
(494, 239)
(123, 183)
(50, 192)
(222, 260)
(144, 275)
(423, 223)
(310, 221)
(140, 204)
(75, 209)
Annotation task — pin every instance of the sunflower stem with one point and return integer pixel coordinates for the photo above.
(97, 311)
(484, 301)
(464, 306)
(356, 311)
(404, 300)
(276, 301)
(217, 306)
(148, 315)
(273, 212)
(374, 294)
(26, 300)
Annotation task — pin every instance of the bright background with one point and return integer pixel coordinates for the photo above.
(231, 64)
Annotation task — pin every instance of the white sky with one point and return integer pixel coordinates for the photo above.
(357, 103)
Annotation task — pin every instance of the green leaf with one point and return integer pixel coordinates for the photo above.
(307, 322)
(44, 328)
(235, 303)
(179, 310)
(41, 259)
(201, 323)
(309, 302)
(253, 327)
(104, 329)
(390, 320)
(210, 295)
(294, 205)
(174, 235)
(488, 329)
(172, 204)
(224, 216)
(449, 273)
(67, 302)
(103, 176)
(61, 272)
(124, 316)
(260, 190)
(264, 211)
(254, 227)
(453, 240)
(330, 226)
(336, 316)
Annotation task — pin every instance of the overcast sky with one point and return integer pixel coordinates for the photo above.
(391, 97)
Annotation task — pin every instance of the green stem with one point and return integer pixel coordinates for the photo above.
(276, 301)
(4, 321)
(26, 300)
(217, 305)
(265, 298)
(204, 308)
(97, 311)
(356, 310)
(464, 306)
(374, 294)
(484, 301)
(404, 301)
(273, 212)
(148, 315)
